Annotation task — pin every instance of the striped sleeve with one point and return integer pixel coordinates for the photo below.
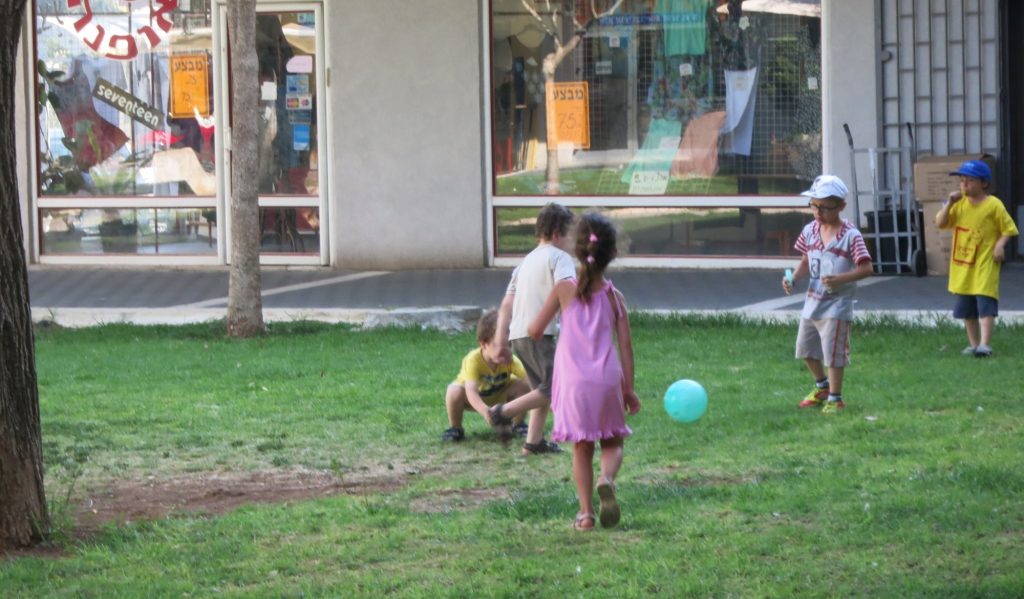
(801, 242)
(859, 251)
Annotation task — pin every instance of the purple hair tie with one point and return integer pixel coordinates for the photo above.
(593, 238)
(590, 259)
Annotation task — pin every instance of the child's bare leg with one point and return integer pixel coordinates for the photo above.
(538, 419)
(986, 324)
(455, 403)
(816, 368)
(583, 474)
(973, 334)
(835, 380)
(537, 402)
(525, 402)
(611, 458)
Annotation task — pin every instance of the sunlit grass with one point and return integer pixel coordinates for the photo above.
(916, 490)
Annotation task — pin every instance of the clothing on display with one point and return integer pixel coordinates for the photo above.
(740, 98)
(684, 25)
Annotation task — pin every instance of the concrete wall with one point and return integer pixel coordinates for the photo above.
(851, 86)
(406, 184)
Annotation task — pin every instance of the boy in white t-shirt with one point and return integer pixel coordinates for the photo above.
(529, 287)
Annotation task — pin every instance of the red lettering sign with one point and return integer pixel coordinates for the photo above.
(123, 47)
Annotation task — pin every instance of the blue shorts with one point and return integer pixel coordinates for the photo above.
(972, 307)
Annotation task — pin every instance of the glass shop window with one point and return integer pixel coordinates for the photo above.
(655, 97)
(124, 98)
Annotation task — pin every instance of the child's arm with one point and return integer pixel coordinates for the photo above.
(504, 319)
(942, 218)
(861, 271)
(801, 271)
(560, 296)
(625, 341)
(473, 396)
(999, 250)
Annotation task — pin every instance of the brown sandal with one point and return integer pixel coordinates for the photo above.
(584, 517)
(610, 512)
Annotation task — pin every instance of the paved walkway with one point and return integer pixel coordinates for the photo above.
(81, 296)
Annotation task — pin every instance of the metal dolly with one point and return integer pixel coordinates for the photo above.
(893, 224)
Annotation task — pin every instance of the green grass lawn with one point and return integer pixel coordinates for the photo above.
(916, 490)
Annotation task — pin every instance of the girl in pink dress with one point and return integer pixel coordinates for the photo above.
(592, 386)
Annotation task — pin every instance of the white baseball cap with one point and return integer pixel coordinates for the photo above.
(826, 186)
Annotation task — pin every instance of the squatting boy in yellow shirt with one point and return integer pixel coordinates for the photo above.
(490, 375)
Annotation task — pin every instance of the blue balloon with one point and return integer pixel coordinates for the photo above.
(686, 400)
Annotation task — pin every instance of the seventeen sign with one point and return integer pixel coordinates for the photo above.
(128, 104)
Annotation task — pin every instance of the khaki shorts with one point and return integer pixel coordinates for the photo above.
(827, 340)
(538, 358)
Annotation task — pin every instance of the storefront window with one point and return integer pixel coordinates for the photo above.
(675, 232)
(124, 94)
(187, 231)
(655, 97)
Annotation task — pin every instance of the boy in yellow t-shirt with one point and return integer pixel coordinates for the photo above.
(981, 227)
(490, 375)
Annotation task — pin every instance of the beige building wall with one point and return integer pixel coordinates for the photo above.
(850, 89)
(407, 166)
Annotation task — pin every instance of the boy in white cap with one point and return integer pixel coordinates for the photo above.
(834, 257)
(981, 227)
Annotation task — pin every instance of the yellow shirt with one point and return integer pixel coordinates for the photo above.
(972, 270)
(491, 384)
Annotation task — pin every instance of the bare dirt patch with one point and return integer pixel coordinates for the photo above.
(214, 493)
(456, 499)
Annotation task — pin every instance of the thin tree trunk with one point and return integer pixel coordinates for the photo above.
(245, 304)
(23, 514)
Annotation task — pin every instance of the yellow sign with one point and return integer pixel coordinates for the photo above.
(190, 89)
(568, 109)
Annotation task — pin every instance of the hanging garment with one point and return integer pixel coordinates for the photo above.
(97, 138)
(740, 97)
(698, 153)
(684, 26)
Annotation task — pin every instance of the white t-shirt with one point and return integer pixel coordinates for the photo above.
(531, 283)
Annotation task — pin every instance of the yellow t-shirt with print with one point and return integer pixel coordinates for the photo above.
(490, 383)
(976, 228)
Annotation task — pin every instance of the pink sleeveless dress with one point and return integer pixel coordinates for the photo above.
(586, 387)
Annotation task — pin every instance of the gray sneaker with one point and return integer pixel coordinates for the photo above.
(982, 351)
(970, 350)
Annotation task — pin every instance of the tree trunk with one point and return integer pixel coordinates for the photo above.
(23, 514)
(245, 304)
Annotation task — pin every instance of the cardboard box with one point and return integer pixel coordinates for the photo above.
(937, 242)
(932, 181)
(932, 184)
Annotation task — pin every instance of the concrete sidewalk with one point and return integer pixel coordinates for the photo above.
(83, 296)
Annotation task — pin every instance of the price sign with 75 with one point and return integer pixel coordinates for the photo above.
(569, 114)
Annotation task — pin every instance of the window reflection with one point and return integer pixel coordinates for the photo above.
(290, 230)
(125, 98)
(667, 232)
(286, 49)
(187, 231)
(659, 97)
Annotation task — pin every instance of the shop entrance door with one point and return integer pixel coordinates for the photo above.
(293, 208)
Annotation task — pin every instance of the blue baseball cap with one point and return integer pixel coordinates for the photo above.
(974, 168)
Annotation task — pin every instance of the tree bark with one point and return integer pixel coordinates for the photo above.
(23, 513)
(245, 303)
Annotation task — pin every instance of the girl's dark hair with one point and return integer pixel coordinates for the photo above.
(595, 248)
(553, 219)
